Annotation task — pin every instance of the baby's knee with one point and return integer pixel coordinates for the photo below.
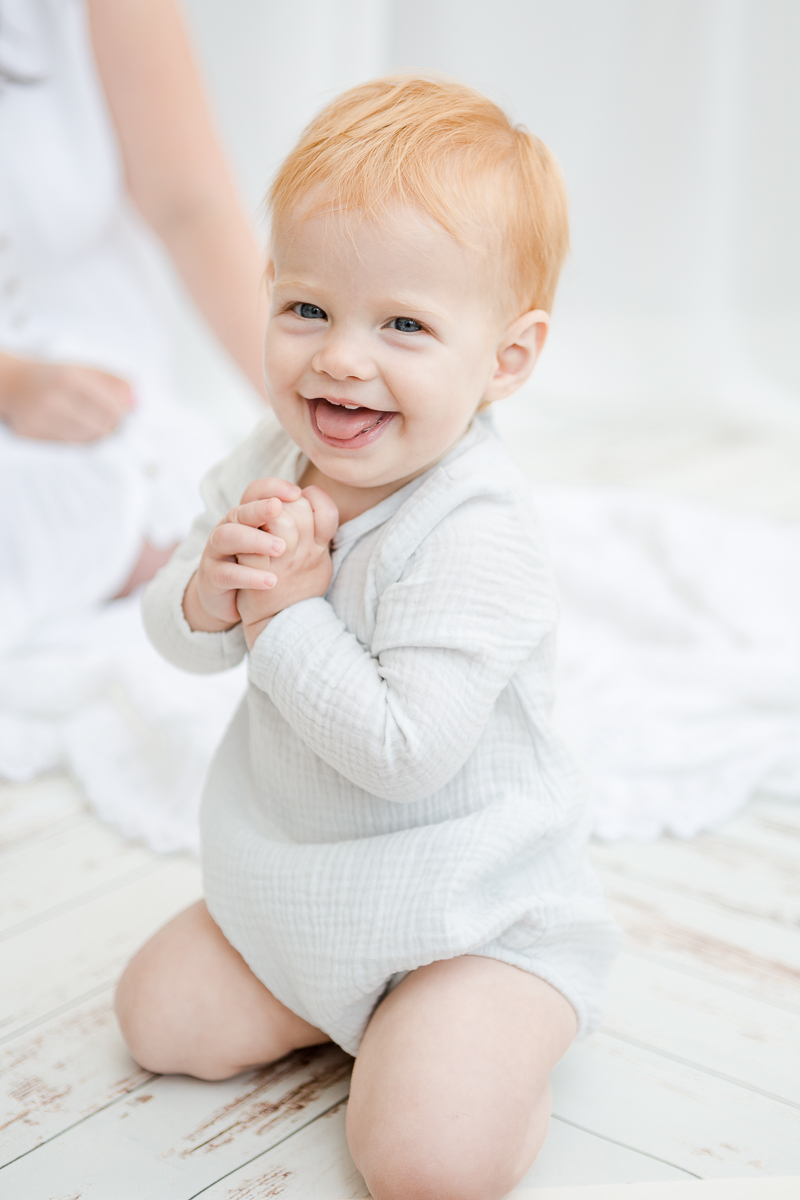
(413, 1157)
(144, 1013)
(402, 1163)
(412, 1176)
(157, 1027)
(139, 1015)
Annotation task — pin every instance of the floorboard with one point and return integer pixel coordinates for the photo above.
(680, 1114)
(315, 1165)
(706, 1024)
(78, 950)
(757, 955)
(176, 1136)
(41, 877)
(738, 874)
(694, 1074)
(68, 1068)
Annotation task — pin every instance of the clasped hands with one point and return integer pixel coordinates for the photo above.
(270, 551)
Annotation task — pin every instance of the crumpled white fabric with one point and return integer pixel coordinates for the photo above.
(679, 655)
(679, 677)
(89, 693)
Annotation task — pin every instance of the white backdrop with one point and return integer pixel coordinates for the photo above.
(674, 363)
(677, 123)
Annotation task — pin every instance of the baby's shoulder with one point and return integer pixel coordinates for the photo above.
(480, 489)
(474, 512)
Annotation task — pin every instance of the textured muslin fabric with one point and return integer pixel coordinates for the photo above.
(391, 791)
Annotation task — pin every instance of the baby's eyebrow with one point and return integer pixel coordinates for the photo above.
(395, 305)
(404, 304)
(294, 285)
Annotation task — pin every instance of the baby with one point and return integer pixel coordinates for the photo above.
(393, 834)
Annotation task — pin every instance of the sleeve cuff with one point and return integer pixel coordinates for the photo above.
(169, 631)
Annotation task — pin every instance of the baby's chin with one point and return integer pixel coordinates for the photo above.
(360, 473)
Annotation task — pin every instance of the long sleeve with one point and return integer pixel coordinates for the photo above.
(266, 452)
(399, 717)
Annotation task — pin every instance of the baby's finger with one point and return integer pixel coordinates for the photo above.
(302, 514)
(260, 561)
(255, 512)
(264, 489)
(228, 539)
(227, 576)
(326, 514)
(284, 527)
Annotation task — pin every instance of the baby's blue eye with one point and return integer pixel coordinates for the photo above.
(312, 312)
(405, 325)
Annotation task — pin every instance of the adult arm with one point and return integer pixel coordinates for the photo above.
(175, 170)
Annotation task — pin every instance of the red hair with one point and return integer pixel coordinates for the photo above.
(436, 145)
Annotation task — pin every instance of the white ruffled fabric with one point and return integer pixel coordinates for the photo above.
(90, 694)
(679, 677)
(679, 656)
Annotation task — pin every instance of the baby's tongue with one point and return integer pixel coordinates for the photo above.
(335, 421)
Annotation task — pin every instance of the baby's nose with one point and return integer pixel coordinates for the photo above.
(344, 356)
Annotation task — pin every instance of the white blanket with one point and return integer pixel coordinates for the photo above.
(679, 656)
(679, 677)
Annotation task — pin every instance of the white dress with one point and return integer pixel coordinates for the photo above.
(391, 791)
(75, 286)
(78, 284)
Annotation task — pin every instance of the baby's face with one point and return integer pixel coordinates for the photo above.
(380, 344)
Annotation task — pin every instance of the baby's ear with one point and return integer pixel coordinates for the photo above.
(326, 514)
(517, 352)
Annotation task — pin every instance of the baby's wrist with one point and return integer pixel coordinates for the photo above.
(198, 618)
(253, 631)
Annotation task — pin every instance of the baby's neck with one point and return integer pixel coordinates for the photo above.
(351, 501)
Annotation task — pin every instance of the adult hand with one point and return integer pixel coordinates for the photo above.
(61, 402)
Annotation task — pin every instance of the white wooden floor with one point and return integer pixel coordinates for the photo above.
(696, 1072)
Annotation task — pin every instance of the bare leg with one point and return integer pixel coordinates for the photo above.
(188, 1003)
(150, 561)
(450, 1099)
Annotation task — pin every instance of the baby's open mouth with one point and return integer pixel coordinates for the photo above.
(345, 425)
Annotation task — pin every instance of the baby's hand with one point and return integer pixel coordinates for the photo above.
(305, 526)
(209, 602)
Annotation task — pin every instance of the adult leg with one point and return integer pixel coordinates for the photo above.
(70, 528)
(188, 1003)
(149, 561)
(450, 1097)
